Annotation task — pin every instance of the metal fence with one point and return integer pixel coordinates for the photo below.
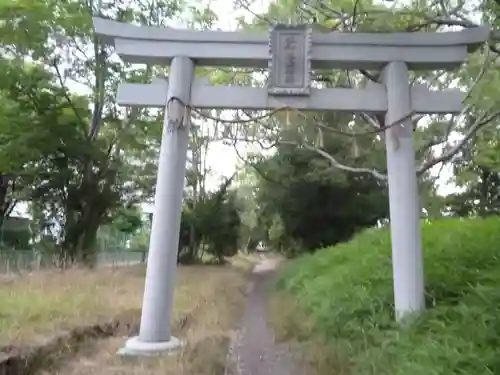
(14, 261)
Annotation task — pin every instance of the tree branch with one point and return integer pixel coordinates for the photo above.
(65, 92)
(340, 166)
(447, 156)
(334, 163)
(99, 89)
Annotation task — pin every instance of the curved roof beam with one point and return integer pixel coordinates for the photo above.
(158, 45)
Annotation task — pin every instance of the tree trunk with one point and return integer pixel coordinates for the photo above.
(87, 250)
(81, 234)
(484, 187)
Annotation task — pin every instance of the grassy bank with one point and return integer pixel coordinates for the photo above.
(340, 305)
(45, 302)
(207, 333)
(208, 304)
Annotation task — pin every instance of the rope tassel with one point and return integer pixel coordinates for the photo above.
(319, 139)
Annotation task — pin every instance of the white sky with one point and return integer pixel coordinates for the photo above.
(223, 159)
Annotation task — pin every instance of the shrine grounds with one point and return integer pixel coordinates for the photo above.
(74, 321)
(336, 305)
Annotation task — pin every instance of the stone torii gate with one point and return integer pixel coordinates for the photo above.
(290, 53)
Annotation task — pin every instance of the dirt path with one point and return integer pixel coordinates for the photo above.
(255, 351)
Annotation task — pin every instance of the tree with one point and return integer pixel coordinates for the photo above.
(434, 137)
(126, 220)
(212, 223)
(102, 159)
(308, 205)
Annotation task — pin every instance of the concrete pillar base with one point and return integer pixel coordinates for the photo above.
(137, 348)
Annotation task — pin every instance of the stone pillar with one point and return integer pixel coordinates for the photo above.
(407, 260)
(155, 335)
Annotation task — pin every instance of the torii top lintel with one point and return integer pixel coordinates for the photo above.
(334, 50)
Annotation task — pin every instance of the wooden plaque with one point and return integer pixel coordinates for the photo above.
(290, 60)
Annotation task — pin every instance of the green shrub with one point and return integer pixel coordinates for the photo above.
(346, 291)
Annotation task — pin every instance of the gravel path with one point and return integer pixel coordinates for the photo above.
(255, 352)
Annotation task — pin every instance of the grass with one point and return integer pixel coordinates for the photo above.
(209, 299)
(337, 305)
(45, 302)
(219, 303)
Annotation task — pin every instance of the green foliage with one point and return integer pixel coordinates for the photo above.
(478, 174)
(346, 291)
(221, 232)
(127, 219)
(75, 165)
(210, 224)
(140, 241)
(305, 204)
(480, 197)
(15, 233)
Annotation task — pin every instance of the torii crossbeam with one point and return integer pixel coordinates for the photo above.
(290, 53)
